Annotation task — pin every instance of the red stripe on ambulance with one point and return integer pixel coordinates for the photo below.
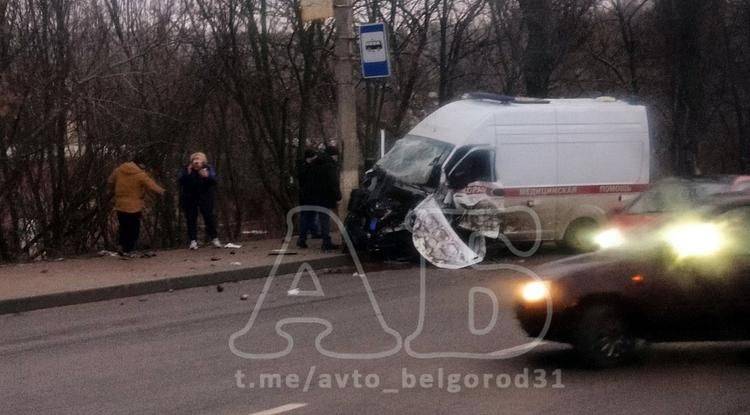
(574, 190)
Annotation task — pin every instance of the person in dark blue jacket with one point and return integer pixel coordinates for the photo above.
(198, 194)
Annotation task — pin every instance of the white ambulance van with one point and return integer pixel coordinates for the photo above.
(570, 160)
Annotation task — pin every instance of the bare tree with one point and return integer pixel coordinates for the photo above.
(554, 28)
(682, 24)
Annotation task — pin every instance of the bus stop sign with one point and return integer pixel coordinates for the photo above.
(373, 46)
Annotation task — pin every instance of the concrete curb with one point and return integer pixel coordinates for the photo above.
(17, 305)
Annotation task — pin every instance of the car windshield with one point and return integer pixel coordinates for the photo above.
(673, 197)
(412, 159)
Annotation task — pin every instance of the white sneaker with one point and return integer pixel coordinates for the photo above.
(216, 243)
(193, 245)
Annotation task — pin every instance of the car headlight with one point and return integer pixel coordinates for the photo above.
(535, 291)
(610, 238)
(694, 239)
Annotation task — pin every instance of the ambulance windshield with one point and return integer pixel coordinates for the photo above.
(413, 159)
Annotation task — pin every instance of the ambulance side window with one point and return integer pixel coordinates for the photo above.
(476, 166)
(456, 157)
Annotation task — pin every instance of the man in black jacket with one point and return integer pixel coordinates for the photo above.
(306, 181)
(318, 186)
(198, 193)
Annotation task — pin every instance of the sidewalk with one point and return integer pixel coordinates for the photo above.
(31, 286)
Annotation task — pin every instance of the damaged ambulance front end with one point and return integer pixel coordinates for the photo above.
(398, 182)
(427, 197)
(435, 193)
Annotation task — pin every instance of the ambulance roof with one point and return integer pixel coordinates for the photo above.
(458, 122)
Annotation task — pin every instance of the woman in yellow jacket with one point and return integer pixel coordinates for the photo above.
(130, 183)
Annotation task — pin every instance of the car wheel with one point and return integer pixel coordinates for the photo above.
(603, 338)
(579, 236)
(523, 246)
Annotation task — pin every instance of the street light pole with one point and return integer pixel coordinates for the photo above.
(346, 101)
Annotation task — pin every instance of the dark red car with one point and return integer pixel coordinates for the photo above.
(674, 195)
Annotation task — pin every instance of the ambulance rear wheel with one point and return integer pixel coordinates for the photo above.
(579, 237)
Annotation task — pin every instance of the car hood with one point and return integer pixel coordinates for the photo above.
(438, 242)
(436, 238)
(584, 263)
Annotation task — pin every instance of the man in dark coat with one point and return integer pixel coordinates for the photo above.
(198, 193)
(318, 186)
(306, 181)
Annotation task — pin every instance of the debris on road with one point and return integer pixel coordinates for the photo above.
(219, 288)
(236, 263)
(294, 291)
(244, 297)
(215, 258)
(254, 232)
(232, 246)
(282, 252)
(104, 252)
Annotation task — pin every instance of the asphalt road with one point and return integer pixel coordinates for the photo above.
(170, 354)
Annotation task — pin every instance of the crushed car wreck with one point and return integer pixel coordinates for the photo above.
(487, 166)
